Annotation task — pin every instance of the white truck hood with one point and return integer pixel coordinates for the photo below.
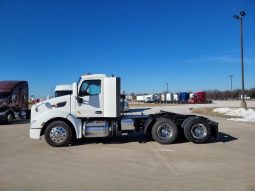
(48, 109)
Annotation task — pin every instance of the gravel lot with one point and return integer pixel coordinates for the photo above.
(126, 164)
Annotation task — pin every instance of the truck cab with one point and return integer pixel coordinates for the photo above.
(13, 100)
(94, 102)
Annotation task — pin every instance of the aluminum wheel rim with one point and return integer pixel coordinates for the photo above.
(58, 134)
(199, 131)
(164, 131)
(9, 118)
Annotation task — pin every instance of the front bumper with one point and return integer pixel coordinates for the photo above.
(35, 130)
(3, 116)
(35, 134)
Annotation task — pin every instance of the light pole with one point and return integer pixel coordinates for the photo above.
(240, 18)
(231, 89)
(167, 87)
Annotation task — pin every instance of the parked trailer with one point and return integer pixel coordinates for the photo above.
(169, 98)
(176, 98)
(163, 98)
(93, 110)
(184, 97)
(140, 98)
(13, 101)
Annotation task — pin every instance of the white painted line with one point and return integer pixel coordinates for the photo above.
(166, 150)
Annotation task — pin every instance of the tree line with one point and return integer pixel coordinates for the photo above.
(227, 94)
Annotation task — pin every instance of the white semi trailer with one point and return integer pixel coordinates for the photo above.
(93, 110)
(169, 98)
(140, 98)
(176, 98)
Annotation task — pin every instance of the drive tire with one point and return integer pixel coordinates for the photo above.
(164, 131)
(197, 130)
(58, 134)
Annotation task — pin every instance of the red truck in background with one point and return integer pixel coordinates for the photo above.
(13, 101)
(198, 97)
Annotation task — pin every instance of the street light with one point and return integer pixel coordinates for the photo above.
(231, 89)
(240, 18)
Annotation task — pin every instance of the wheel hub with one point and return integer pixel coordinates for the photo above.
(9, 118)
(58, 134)
(199, 131)
(165, 131)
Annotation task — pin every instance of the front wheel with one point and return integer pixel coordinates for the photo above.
(58, 134)
(9, 117)
(164, 131)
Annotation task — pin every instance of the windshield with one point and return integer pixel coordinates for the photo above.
(4, 95)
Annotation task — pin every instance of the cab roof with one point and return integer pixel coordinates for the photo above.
(94, 76)
(9, 85)
(64, 87)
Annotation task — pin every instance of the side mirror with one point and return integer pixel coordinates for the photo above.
(75, 93)
(79, 99)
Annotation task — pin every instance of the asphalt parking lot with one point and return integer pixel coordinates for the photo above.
(127, 163)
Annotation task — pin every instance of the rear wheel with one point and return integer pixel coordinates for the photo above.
(164, 131)
(58, 134)
(197, 130)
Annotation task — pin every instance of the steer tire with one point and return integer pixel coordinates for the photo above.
(9, 117)
(58, 134)
(169, 133)
(197, 137)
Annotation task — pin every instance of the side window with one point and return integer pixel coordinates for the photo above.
(90, 87)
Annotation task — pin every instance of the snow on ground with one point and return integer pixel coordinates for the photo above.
(240, 114)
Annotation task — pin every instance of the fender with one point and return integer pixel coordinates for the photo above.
(44, 117)
(77, 124)
(148, 124)
(186, 121)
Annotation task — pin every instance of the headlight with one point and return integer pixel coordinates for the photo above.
(33, 122)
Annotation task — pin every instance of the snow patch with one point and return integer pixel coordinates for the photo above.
(240, 114)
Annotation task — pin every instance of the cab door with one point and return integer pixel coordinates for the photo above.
(90, 93)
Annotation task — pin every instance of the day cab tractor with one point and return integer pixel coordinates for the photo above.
(93, 110)
(198, 97)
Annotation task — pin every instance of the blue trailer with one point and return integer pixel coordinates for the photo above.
(184, 97)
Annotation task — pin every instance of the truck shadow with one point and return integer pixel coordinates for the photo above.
(223, 138)
(137, 110)
(143, 139)
(16, 122)
(137, 137)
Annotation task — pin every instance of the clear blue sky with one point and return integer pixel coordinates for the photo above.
(192, 45)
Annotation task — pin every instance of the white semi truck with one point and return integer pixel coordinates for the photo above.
(93, 110)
